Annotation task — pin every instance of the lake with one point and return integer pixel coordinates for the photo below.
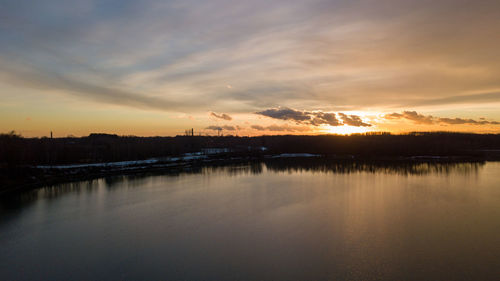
(288, 220)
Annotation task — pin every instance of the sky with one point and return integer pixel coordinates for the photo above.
(148, 67)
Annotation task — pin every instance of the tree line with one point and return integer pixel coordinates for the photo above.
(17, 150)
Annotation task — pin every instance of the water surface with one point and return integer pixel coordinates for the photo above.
(275, 221)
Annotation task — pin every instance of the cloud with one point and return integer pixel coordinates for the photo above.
(325, 118)
(455, 121)
(37, 78)
(278, 128)
(314, 118)
(286, 114)
(460, 99)
(413, 116)
(223, 116)
(229, 128)
(430, 120)
(281, 128)
(258, 127)
(177, 55)
(353, 120)
(220, 128)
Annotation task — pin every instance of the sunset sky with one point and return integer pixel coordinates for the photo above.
(148, 67)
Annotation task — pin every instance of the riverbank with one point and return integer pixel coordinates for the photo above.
(29, 177)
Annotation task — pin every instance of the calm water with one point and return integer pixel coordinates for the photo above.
(261, 222)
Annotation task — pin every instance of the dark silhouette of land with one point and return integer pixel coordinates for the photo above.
(17, 150)
(38, 160)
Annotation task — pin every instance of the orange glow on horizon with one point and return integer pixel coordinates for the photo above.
(347, 130)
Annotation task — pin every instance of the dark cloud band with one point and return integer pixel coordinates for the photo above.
(315, 118)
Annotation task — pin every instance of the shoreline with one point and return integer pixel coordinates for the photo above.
(32, 177)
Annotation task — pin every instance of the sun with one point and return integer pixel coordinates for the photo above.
(347, 130)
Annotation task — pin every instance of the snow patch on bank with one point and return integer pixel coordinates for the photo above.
(106, 164)
(123, 164)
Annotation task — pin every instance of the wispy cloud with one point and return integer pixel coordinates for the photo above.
(325, 57)
(220, 128)
(153, 54)
(413, 116)
(429, 119)
(34, 77)
(281, 128)
(459, 99)
(223, 116)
